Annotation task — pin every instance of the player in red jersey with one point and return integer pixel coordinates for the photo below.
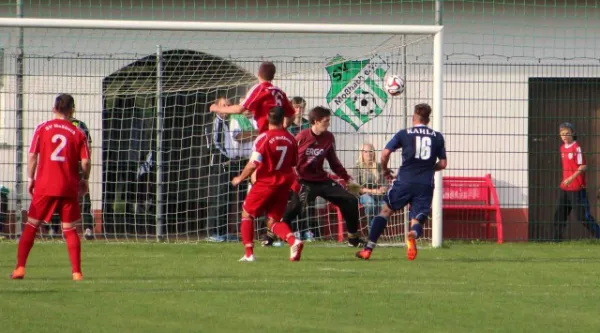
(573, 193)
(261, 98)
(274, 158)
(54, 184)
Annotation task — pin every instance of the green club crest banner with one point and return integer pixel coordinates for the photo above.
(357, 92)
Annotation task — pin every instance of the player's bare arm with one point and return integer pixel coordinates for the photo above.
(582, 168)
(31, 168)
(248, 170)
(246, 136)
(441, 165)
(385, 160)
(231, 109)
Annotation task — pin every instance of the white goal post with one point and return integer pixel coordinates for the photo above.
(267, 28)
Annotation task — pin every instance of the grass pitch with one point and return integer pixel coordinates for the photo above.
(202, 288)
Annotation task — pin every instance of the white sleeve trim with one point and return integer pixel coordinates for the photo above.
(579, 156)
(256, 141)
(256, 157)
(250, 93)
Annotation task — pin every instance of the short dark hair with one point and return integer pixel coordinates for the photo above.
(297, 100)
(276, 116)
(318, 113)
(267, 71)
(64, 103)
(423, 111)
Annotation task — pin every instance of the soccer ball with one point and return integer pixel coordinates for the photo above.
(364, 103)
(394, 85)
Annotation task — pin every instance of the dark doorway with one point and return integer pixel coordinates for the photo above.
(190, 83)
(553, 101)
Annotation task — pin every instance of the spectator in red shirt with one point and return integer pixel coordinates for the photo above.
(573, 194)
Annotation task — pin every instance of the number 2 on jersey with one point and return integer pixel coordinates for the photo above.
(283, 150)
(423, 147)
(61, 145)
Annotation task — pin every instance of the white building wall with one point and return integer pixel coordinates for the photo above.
(485, 107)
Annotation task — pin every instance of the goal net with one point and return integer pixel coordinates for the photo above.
(162, 163)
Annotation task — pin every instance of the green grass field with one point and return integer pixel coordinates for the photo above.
(202, 288)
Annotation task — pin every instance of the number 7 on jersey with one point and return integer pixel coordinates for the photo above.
(283, 150)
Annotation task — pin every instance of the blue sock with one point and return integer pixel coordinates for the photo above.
(378, 225)
(418, 229)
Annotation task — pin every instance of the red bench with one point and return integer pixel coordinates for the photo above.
(460, 194)
(474, 194)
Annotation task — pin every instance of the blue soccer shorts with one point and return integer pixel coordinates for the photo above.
(419, 196)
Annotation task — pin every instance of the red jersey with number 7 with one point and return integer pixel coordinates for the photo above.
(275, 156)
(572, 158)
(60, 147)
(263, 97)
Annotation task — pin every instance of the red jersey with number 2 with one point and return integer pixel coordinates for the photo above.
(60, 146)
(263, 97)
(572, 158)
(275, 155)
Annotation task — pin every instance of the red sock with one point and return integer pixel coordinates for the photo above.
(282, 230)
(74, 248)
(25, 244)
(247, 227)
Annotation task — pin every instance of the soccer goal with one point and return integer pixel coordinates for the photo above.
(161, 167)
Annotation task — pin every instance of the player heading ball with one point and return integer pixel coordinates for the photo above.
(261, 98)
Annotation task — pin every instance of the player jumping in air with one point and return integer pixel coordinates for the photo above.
(423, 153)
(56, 150)
(261, 98)
(274, 159)
(315, 144)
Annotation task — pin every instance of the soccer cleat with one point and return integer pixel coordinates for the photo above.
(249, 258)
(411, 247)
(296, 250)
(268, 241)
(77, 276)
(363, 254)
(88, 235)
(356, 242)
(18, 273)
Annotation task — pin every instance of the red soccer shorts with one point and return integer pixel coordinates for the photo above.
(269, 199)
(42, 207)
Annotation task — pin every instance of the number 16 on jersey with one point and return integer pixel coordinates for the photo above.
(423, 147)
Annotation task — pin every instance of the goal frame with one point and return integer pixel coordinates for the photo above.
(436, 30)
